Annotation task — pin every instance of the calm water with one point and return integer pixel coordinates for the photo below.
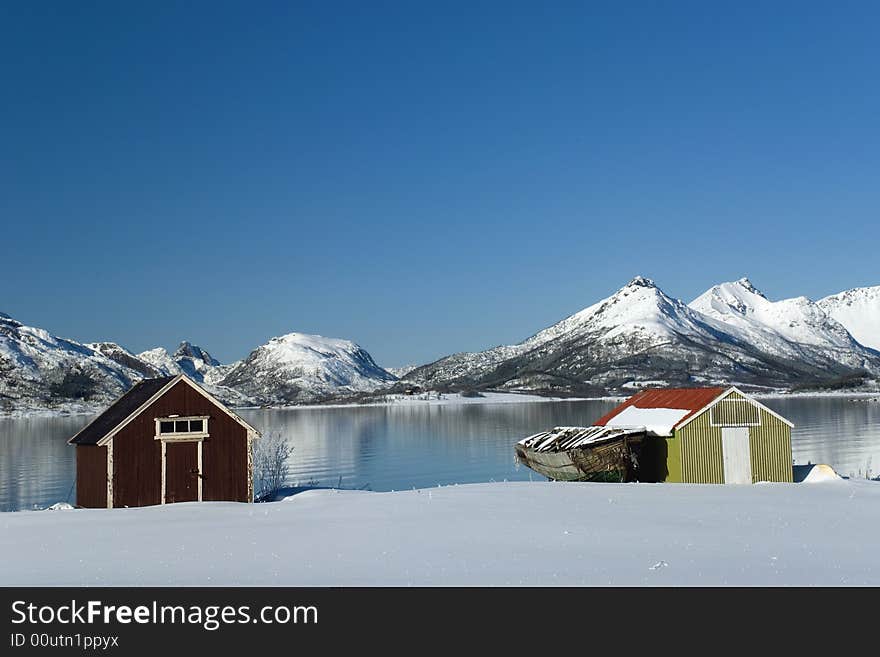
(392, 448)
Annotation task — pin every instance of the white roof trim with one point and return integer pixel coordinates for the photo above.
(220, 405)
(724, 394)
(180, 377)
(136, 412)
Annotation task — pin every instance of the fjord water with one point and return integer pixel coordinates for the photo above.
(419, 446)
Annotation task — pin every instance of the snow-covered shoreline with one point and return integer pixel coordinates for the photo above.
(818, 394)
(451, 399)
(478, 534)
(447, 399)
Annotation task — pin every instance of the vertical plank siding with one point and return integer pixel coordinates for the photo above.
(673, 459)
(735, 411)
(770, 445)
(91, 476)
(225, 460)
(701, 455)
(702, 460)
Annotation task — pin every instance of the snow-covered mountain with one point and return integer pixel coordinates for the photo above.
(299, 368)
(124, 357)
(639, 334)
(792, 328)
(40, 370)
(188, 359)
(401, 371)
(859, 311)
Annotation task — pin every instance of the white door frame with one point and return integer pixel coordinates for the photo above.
(736, 455)
(198, 441)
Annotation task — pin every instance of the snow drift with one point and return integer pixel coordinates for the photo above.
(481, 534)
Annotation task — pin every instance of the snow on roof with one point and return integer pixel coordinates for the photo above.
(684, 401)
(563, 438)
(658, 421)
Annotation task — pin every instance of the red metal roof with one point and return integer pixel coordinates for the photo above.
(691, 399)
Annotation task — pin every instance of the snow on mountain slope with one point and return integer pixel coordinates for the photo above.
(638, 334)
(297, 367)
(160, 359)
(40, 370)
(188, 359)
(859, 311)
(125, 358)
(401, 371)
(640, 308)
(791, 328)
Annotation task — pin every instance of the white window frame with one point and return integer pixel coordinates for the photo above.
(182, 435)
(728, 400)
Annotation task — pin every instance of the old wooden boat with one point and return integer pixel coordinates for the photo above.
(583, 453)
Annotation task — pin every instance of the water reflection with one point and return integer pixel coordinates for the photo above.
(37, 466)
(399, 447)
(840, 432)
(395, 447)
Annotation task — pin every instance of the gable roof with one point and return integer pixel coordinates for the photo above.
(119, 411)
(691, 400)
(728, 392)
(133, 402)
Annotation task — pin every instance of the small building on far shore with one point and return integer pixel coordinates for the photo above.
(165, 440)
(706, 436)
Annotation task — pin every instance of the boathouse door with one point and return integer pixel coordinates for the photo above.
(181, 472)
(737, 458)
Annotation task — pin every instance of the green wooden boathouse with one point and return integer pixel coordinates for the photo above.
(706, 436)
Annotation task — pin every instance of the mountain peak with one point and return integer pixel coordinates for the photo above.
(187, 349)
(9, 321)
(317, 343)
(740, 297)
(641, 281)
(301, 367)
(747, 284)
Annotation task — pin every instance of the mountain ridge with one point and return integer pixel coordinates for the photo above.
(639, 335)
(298, 367)
(858, 309)
(40, 371)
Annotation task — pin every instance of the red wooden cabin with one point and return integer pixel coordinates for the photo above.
(165, 440)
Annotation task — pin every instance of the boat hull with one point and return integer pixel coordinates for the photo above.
(611, 461)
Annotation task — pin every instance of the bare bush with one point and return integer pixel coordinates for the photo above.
(270, 464)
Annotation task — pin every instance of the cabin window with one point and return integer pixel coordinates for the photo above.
(735, 413)
(181, 426)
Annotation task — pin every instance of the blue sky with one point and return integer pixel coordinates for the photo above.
(424, 178)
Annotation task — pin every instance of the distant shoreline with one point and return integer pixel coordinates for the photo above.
(423, 399)
(447, 399)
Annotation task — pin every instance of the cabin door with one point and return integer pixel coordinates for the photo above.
(181, 472)
(737, 458)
